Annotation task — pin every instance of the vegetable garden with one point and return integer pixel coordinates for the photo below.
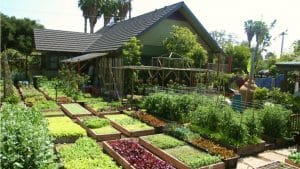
(163, 130)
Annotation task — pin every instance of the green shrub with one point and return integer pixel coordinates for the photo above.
(206, 116)
(95, 122)
(192, 157)
(253, 123)
(261, 94)
(85, 154)
(173, 107)
(64, 127)
(275, 120)
(25, 141)
(163, 141)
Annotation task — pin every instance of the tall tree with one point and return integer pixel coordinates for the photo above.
(296, 46)
(240, 55)
(17, 33)
(110, 9)
(8, 84)
(91, 9)
(223, 38)
(183, 42)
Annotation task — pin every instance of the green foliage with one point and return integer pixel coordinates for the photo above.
(261, 94)
(95, 122)
(275, 121)
(46, 105)
(192, 157)
(163, 141)
(132, 52)
(253, 123)
(180, 132)
(70, 81)
(17, 33)
(171, 106)
(295, 157)
(183, 42)
(296, 46)
(64, 127)
(85, 153)
(240, 55)
(106, 130)
(25, 140)
(128, 122)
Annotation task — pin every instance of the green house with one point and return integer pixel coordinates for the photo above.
(103, 48)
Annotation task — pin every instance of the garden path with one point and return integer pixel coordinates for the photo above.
(264, 158)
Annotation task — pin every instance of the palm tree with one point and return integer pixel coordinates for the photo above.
(82, 4)
(91, 10)
(124, 7)
(249, 29)
(110, 10)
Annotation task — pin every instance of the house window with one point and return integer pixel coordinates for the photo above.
(53, 62)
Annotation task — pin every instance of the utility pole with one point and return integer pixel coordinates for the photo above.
(282, 41)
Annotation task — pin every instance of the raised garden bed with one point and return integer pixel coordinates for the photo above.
(64, 130)
(228, 156)
(53, 113)
(131, 155)
(46, 105)
(74, 109)
(178, 153)
(99, 112)
(147, 118)
(129, 126)
(85, 153)
(99, 128)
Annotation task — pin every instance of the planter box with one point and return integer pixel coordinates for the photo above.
(229, 163)
(288, 161)
(100, 114)
(278, 142)
(132, 133)
(98, 137)
(116, 156)
(174, 161)
(73, 115)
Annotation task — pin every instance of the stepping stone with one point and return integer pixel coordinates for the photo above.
(255, 162)
(269, 155)
(241, 165)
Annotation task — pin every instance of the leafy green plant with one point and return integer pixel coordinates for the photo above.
(261, 94)
(163, 141)
(46, 105)
(192, 157)
(128, 122)
(295, 157)
(106, 130)
(275, 120)
(95, 122)
(85, 153)
(180, 132)
(64, 127)
(25, 140)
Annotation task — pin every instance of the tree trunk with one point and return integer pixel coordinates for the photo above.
(8, 84)
(85, 24)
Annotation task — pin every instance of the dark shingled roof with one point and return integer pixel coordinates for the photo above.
(63, 41)
(112, 37)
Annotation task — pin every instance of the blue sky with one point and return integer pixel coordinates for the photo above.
(218, 15)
